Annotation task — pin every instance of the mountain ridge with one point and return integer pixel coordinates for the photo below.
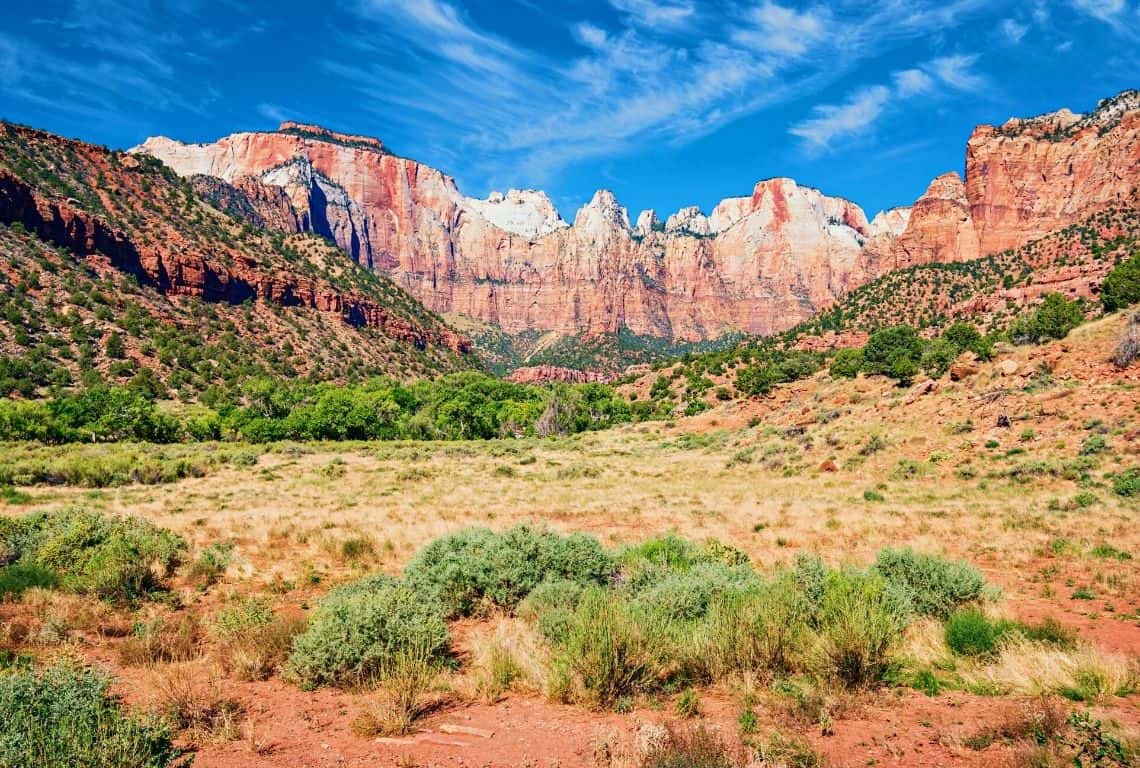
(757, 264)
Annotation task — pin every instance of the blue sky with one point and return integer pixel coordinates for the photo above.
(666, 102)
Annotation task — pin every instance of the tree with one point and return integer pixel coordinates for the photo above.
(847, 363)
(1121, 287)
(888, 346)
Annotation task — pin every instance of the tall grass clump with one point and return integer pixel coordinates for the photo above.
(63, 715)
(860, 616)
(90, 553)
(478, 566)
(360, 631)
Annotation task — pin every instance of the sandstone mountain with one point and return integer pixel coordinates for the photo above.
(758, 264)
(111, 262)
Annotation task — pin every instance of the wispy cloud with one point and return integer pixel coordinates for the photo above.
(112, 61)
(958, 72)
(849, 118)
(666, 71)
(865, 106)
(655, 14)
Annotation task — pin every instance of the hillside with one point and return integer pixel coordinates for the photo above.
(991, 290)
(111, 263)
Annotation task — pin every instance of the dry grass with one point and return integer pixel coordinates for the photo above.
(505, 654)
(1025, 667)
(192, 698)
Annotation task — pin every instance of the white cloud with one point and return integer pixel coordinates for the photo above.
(860, 111)
(274, 112)
(660, 15)
(775, 29)
(1013, 31)
(863, 108)
(957, 72)
(912, 81)
(1115, 13)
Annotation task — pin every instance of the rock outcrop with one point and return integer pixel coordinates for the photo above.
(544, 374)
(758, 264)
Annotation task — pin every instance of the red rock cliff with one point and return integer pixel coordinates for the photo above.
(759, 264)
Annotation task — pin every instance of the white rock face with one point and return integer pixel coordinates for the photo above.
(525, 212)
(186, 159)
(891, 222)
(600, 217)
(647, 221)
(728, 212)
(689, 220)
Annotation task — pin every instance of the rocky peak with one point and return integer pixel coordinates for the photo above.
(647, 221)
(525, 212)
(602, 215)
(688, 220)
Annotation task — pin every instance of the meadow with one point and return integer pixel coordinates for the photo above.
(842, 572)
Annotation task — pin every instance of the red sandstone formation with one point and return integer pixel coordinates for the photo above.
(759, 264)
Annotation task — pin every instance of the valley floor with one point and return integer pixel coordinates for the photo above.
(842, 469)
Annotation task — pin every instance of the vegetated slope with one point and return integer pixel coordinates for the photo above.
(111, 262)
(990, 290)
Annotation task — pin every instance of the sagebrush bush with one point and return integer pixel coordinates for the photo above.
(475, 565)
(359, 631)
(936, 587)
(683, 596)
(63, 715)
(91, 553)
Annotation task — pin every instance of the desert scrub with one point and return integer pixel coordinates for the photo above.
(936, 587)
(360, 631)
(63, 715)
(109, 465)
(90, 553)
(475, 565)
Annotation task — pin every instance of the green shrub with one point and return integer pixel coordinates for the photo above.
(762, 630)
(893, 352)
(1121, 286)
(550, 596)
(360, 630)
(113, 558)
(1052, 319)
(684, 596)
(1127, 483)
(63, 715)
(971, 633)
(936, 587)
(938, 356)
(478, 564)
(16, 578)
